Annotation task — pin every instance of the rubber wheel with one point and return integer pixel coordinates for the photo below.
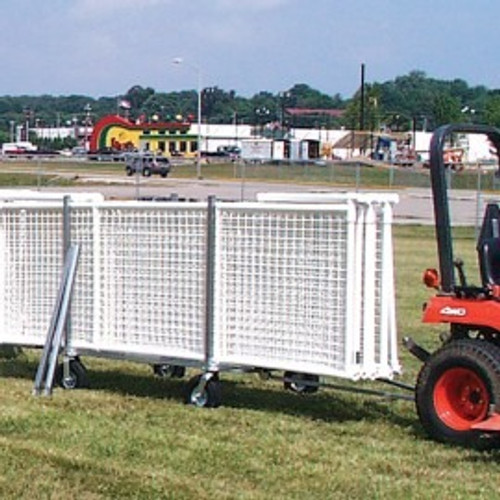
(210, 396)
(455, 390)
(296, 385)
(164, 173)
(77, 379)
(169, 371)
(129, 171)
(146, 172)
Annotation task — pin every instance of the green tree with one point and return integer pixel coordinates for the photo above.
(372, 114)
(265, 108)
(303, 96)
(138, 95)
(408, 100)
(492, 110)
(218, 106)
(446, 109)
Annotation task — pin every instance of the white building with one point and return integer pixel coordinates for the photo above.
(303, 144)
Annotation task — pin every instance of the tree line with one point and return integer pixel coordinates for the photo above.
(413, 101)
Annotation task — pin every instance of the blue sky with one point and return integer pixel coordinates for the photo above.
(103, 47)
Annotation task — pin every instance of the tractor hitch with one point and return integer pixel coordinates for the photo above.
(418, 351)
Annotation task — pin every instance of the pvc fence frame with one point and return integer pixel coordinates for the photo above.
(297, 283)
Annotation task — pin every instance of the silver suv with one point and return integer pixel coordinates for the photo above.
(146, 164)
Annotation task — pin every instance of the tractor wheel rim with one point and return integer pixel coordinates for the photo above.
(461, 398)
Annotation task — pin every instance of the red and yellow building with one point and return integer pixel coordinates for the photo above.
(170, 138)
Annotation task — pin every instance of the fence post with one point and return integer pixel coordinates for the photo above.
(67, 335)
(243, 179)
(44, 378)
(66, 247)
(210, 284)
(479, 201)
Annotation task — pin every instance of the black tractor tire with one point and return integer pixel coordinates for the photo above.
(129, 171)
(210, 396)
(456, 388)
(146, 172)
(295, 384)
(78, 378)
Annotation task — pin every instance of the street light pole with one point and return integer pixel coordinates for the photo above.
(198, 149)
(179, 60)
(87, 110)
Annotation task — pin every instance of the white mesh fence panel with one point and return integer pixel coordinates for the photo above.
(302, 286)
(152, 279)
(281, 280)
(372, 335)
(377, 288)
(85, 300)
(31, 252)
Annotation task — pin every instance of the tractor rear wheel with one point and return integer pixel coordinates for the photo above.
(456, 389)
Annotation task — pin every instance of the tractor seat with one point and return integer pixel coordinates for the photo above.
(489, 261)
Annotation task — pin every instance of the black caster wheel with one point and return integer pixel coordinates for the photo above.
(301, 383)
(204, 391)
(77, 377)
(169, 371)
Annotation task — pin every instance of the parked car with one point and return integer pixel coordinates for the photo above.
(105, 154)
(223, 152)
(146, 164)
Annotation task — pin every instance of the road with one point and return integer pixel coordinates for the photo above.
(415, 204)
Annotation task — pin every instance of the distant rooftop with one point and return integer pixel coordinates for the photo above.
(335, 113)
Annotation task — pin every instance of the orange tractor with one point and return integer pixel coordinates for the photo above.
(458, 388)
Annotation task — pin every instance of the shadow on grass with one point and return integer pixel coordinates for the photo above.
(486, 457)
(327, 405)
(241, 393)
(138, 385)
(18, 367)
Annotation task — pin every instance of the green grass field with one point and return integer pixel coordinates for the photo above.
(131, 436)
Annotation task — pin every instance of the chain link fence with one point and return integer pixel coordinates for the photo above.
(365, 175)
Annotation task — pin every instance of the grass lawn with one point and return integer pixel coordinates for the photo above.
(130, 435)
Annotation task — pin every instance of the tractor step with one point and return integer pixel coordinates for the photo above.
(491, 424)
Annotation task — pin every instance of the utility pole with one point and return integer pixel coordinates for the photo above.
(362, 104)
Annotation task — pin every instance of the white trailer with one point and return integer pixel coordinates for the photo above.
(303, 286)
(257, 150)
(20, 147)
